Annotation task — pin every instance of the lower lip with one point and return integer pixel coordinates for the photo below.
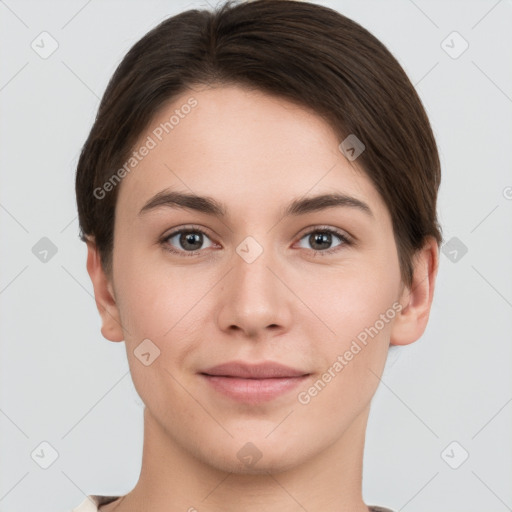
(253, 390)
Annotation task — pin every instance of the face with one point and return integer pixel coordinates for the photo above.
(315, 289)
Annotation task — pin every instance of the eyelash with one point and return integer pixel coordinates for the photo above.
(318, 229)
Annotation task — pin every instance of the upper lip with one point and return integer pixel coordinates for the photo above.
(265, 370)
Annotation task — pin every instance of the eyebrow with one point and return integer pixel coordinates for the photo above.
(203, 204)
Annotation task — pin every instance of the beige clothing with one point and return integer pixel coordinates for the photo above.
(92, 502)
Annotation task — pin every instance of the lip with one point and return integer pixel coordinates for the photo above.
(264, 370)
(253, 383)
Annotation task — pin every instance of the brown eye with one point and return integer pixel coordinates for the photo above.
(321, 240)
(186, 241)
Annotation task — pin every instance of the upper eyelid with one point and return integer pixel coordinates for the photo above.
(174, 232)
(319, 227)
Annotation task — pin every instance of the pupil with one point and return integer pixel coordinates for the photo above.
(191, 238)
(323, 237)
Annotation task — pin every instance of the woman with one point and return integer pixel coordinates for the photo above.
(258, 198)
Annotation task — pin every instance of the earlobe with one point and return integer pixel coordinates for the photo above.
(416, 301)
(111, 328)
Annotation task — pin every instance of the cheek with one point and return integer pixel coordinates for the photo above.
(165, 314)
(352, 299)
(351, 361)
(163, 306)
(359, 305)
(153, 295)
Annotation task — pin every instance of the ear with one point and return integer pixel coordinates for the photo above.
(411, 322)
(111, 328)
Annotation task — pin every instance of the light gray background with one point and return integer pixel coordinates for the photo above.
(63, 383)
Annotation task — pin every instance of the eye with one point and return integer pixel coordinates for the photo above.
(189, 241)
(321, 238)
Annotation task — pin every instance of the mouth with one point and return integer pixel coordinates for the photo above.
(264, 370)
(253, 391)
(253, 384)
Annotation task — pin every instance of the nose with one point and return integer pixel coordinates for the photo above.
(254, 297)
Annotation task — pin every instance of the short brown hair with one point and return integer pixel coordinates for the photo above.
(300, 51)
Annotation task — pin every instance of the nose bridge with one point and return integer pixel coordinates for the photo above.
(254, 297)
(252, 276)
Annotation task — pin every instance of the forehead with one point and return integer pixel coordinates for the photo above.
(249, 150)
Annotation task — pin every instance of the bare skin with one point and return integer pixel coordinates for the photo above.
(254, 153)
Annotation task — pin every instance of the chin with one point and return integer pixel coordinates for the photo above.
(255, 458)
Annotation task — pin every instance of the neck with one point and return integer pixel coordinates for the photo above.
(173, 479)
